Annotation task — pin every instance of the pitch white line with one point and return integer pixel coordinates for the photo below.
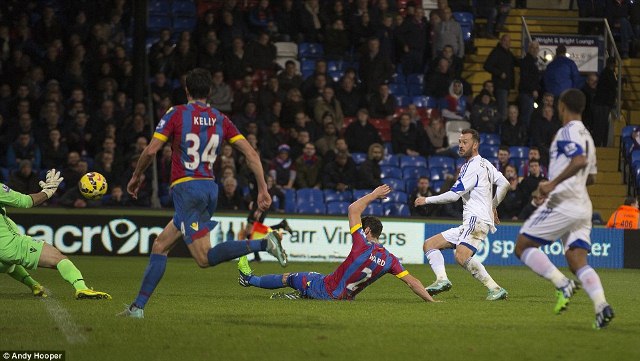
(63, 319)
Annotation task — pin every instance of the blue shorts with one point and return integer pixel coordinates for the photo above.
(194, 202)
(309, 284)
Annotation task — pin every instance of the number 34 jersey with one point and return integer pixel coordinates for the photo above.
(196, 131)
(366, 262)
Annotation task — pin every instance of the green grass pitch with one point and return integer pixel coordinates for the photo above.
(204, 314)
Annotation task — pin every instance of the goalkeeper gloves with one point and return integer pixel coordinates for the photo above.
(51, 182)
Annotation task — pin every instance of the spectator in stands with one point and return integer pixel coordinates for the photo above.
(589, 90)
(270, 93)
(23, 148)
(261, 53)
(626, 216)
(504, 155)
(531, 180)
(349, 96)
(312, 91)
(289, 78)
(362, 30)
(542, 131)
(529, 86)
(605, 100)
(501, 64)
(298, 143)
(286, 21)
(512, 203)
(535, 202)
(282, 168)
(456, 64)
(423, 189)
(328, 103)
(382, 104)
(361, 134)
(514, 132)
(328, 140)
(76, 168)
(231, 197)
(220, 96)
(24, 180)
(369, 171)
(309, 22)
(261, 17)
(232, 28)
(271, 140)
(54, 151)
(414, 41)
(617, 13)
(236, 61)
(409, 138)
(160, 88)
(534, 153)
(308, 167)
(375, 68)
(339, 174)
(484, 115)
(116, 197)
(105, 166)
(336, 42)
(79, 136)
(292, 105)
(385, 32)
(454, 105)
(561, 73)
(449, 32)
(590, 9)
(248, 91)
(437, 81)
(488, 86)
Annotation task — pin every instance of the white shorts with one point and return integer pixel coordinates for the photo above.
(546, 225)
(471, 234)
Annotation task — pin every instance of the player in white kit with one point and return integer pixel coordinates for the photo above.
(566, 214)
(475, 186)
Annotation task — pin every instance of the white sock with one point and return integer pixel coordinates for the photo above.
(437, 263)
(540, 264)
(478, 272)
(592, 285)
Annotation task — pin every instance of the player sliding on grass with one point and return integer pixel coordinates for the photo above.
(196, 131)
(18, 251)
(475, 187)
(367, 261)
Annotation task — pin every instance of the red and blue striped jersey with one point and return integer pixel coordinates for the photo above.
(366, 262)
(196, 131)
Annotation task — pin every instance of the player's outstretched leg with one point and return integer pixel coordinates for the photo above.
(477, 270)
(431, 248)
(248, 279)
(21, 275)
(592, 286)
(226, 251)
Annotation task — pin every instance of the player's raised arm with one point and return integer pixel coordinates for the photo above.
(253, 161)
(417, 287)
(356, 208)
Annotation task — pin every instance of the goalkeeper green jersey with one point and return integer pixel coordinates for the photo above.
(9, 197)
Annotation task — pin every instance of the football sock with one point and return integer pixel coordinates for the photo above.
(71, 274)
(540, 264)
(267, 281)
(152, 276)
(592, 285)
(229, 250)
(480, 273)
(437, 263)
(21, 275)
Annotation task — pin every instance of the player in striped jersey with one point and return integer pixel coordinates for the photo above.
(566, 214)
(475, 187)
(367, 262)
(195, 131)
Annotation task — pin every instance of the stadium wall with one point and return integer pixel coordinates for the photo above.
(315, 238)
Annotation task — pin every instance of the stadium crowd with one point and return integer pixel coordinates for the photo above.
(375, 88)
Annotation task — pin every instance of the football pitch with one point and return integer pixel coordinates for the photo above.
(200, 314)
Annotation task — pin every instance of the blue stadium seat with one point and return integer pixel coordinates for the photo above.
(337, 208)
(331, 195)
(488, 151)
(489, 139)
(359, 193)
(414, 172)
(415, 79)
(335, 65)
(397, 197)
(442, 162)
(398, 78)
(184, 23)
(308, 64)
(438, 173)
(395, 183)
(402, 101)
(388, 148)
(311, 208)
(465, 19)
(635, 159)
(396, 210)
(392, 159)
(397, 89)
(289, 200)
(410, 184)
(436, 185)
(415, 90)
(310, 50)
(519, 152)
(183, 7)
(159, 22)
(520, 164)
(374, 209)
(627, 131)
(387, 171)
(359, 157)
(309, 195)
(423, 101)
(159, 7)
(336, 75)
(460, 162)
(307, 73)
(412, 161)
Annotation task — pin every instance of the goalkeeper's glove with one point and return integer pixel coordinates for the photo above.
(51, 182)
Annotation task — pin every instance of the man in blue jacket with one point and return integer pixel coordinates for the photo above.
(561, 73)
